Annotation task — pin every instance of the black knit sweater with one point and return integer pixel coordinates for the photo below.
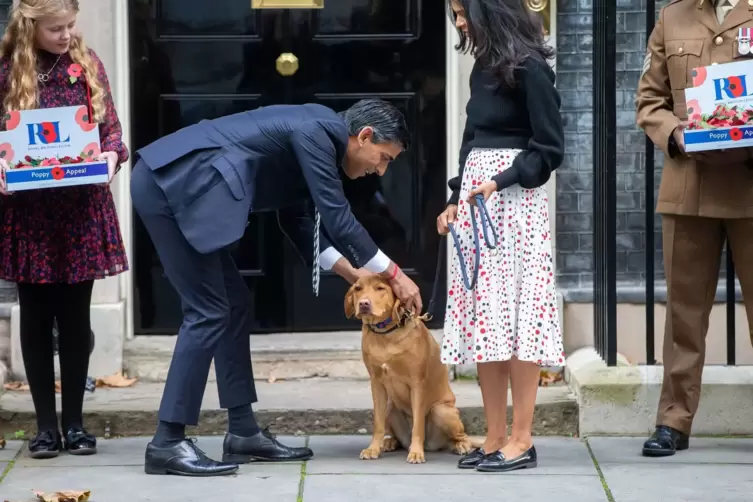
(526, 117)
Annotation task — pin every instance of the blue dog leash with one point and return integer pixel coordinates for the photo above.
(486, 228)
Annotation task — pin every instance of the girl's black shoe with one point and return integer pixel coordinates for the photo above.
(79, 442)
(46, 444)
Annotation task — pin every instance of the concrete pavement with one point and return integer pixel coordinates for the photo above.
(599, 469)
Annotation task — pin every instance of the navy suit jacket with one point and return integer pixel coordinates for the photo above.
(273, 158)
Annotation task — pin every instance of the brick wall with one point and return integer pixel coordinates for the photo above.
(7, 290)
(575, 262)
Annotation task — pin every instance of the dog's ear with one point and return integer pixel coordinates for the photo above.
(397, 310)
(350, 308)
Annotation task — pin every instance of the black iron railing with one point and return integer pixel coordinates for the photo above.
(649, 163)
(605, 178)
(604, 198)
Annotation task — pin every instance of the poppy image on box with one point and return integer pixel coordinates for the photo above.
(51, 147)
(720, 107)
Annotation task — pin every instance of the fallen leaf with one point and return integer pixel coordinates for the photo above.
(17, 386)
(68, 496)
(271, 379)
(118, 380)
(2, 443)
(547, 377)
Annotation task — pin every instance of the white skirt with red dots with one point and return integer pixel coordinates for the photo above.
(512, 310)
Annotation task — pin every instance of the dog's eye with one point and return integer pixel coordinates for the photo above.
(380, 288)
(358, 288)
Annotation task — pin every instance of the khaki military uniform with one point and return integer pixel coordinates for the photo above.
(702, 198)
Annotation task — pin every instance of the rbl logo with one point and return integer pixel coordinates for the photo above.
(732, 87)
(45, 133)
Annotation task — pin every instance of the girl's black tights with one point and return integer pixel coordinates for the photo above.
(40, 305)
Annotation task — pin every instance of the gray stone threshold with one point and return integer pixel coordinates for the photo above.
(311, 406)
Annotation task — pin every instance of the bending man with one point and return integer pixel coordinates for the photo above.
(194, 190)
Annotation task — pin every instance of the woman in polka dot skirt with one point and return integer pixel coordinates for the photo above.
(508, 323)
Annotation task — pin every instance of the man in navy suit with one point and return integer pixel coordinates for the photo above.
(194, 190)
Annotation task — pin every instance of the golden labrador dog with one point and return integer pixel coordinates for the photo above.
(413, 401)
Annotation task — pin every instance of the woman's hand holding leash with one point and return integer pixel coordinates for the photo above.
(446, 218)
(485, 189)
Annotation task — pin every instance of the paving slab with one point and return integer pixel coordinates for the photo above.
(716, 469)
(129, 484)
(679, 482)
(129, 452)
(440, 488)
(10, 451)
(627, 450)
(339, 455)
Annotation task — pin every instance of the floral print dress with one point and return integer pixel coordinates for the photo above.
(70, 234)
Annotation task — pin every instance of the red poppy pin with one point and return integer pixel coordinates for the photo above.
(74, 72)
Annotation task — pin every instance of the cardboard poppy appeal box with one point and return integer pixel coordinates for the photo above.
(720, 107)
(51, 147)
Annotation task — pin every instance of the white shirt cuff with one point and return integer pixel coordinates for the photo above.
(378, 263)
(328, 258)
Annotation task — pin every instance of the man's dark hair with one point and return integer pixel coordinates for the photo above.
(387, 122)
(501, 34)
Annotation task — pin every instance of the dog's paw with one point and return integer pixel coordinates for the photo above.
(390, 444)
(416, 457)
(462, 447)
(370, 453)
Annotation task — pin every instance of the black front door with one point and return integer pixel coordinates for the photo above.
(193, 60)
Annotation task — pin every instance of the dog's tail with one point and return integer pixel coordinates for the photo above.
(477, 441)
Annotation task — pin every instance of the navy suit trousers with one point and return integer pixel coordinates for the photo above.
(215, 302)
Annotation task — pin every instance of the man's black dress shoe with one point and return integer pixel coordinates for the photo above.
(184, 459)
(496, 462)
(79, 442)
(46, 444)
(664, 442)
(472, 459)
(261, 447)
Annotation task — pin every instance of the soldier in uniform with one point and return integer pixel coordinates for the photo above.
(704, 198)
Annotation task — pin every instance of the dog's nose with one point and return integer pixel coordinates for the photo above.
(364, 306)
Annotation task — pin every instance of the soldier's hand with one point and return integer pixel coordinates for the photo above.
(679, 138)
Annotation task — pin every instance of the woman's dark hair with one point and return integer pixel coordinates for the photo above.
(387, 122)
(501, 34)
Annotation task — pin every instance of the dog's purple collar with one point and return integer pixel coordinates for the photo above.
(384, 325)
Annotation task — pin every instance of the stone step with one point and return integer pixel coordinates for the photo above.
(282, 356)
(310, 406)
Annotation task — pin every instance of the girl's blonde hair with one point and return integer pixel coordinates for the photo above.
(19, 46)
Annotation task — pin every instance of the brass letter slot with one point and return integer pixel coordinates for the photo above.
(287, 4)
(544, 9)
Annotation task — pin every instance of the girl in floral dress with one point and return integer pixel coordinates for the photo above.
(54, 243)
(508, 323)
